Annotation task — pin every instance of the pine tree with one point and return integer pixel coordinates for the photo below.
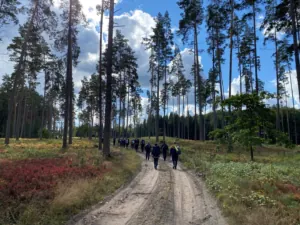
(9, 10)
(72, 17)
(108, 104)
(192, 18)
(41, 18)
(253, 5)
(101, 9)
(216, 26)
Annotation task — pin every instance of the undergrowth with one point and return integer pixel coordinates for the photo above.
(264, 192)
(41, 184)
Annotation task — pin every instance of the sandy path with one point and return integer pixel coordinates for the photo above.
(161, 197)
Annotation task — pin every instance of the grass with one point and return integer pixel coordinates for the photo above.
(264, 192)
(70, 195)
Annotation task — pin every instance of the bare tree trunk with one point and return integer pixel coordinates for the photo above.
(31, 117)
(100, 80)
(195, 91)
(120, 111)
(15, 120)
(277, 85)
(71, 119)
(296, 50)
(294, 110)
(18, 74)
(43, 110)
(220, 78)
(255, 48)
(19, 115)
(188, 117)
(108, 103)
(157, 109)
(68, 96)
(288, 118)
(201, 137)
(166, 93)
(183, 119)
(126, 134)
(231, 47)
(173, 118)
(178, 122)
(24, 117)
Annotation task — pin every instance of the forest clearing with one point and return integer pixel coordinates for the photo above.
(42, 184)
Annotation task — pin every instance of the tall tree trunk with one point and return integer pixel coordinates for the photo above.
(157, 109)
(220, 78)
(68, 83)
(166, 96)
(18, 74)
(282, 120)
(31, 115)
(70, 42)
(173, 117)
(100, 80)
(199, 86)
(44, 107)
(214, 88)
(183, 119)
(188, 116)
(288, 119)
(120, 115)
(277, 85)
(15, 120)
(231, 47)
(24, 117)
(295, 39)
(294, 110)
(178, 122)
(195, 89)
(126, 134)
(108, 103)
(255, 48)
(19, 114)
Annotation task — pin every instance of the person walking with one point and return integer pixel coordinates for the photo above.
(142, 145)
(136, 145)
(127, 143)
(155, 155)
(175, 152)
(164, 148)
(148, 151)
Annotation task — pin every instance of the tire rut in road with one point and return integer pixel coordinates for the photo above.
(159, 209)
(120, 209)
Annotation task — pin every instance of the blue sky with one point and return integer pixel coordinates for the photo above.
(153, 7)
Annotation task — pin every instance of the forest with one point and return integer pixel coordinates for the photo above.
(58, 111)
(43, 108)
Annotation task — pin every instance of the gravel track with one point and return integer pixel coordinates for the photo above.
(161, 197)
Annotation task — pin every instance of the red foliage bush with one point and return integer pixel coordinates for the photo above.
(26, 178)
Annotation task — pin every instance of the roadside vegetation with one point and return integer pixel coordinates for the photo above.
(265, 191)
(41, 184)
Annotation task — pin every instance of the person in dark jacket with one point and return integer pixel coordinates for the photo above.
(127, 142)
(114, 141)
(174, 152)
(143, 145)
(148, 151)
(136, 145)
(155, 155)
(164, 148)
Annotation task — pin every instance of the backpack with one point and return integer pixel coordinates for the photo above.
(178, 151)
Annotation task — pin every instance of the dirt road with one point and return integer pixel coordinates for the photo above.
(164, 196)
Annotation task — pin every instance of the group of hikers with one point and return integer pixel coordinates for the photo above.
(135, 143)
(155, 150)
